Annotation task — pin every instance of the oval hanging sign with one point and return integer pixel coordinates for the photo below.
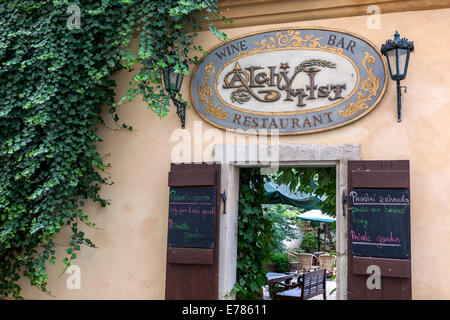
(290, 81)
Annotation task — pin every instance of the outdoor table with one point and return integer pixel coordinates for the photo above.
(274, 277)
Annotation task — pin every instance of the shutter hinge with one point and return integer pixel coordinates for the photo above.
(223, 195)
(344, 199)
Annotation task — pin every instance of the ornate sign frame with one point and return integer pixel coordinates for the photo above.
(245, 107)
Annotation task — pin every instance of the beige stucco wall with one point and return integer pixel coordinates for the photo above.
(129, 262)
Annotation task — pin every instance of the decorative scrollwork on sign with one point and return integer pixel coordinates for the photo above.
(369, 84)
(205, 94)
(240, 95)
(314, 63)
(290, 39)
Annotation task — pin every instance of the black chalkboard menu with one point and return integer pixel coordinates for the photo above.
(192, 217)
(380, 223)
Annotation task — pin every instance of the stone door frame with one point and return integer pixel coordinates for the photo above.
(235, 156)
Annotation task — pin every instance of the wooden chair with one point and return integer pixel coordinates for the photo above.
(312, 284)
(326, 262)
(305, 261)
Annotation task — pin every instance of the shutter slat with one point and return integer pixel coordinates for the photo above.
(192, 178)
(394, 268)
(380, 179)
(190, 256)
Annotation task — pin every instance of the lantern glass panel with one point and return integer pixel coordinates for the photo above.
(173, 80)
(166, 77)
(179, 81)
(402, 56)
(392, 61)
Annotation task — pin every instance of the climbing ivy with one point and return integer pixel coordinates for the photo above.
(55, 76)
(253, 235)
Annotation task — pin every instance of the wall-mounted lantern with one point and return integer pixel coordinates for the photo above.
(397, 56)
(172, 84)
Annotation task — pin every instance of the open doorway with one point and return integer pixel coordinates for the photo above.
(233, 158)
(286, 231)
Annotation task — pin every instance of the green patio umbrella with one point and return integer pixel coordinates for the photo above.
(319, 216)
(281, 194)
(316, 215)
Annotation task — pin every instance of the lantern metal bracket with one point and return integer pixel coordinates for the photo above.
(181, 110)
(173, 79)
(399, 100)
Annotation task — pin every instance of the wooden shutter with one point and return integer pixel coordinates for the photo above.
(192, 272)
(376, 177)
